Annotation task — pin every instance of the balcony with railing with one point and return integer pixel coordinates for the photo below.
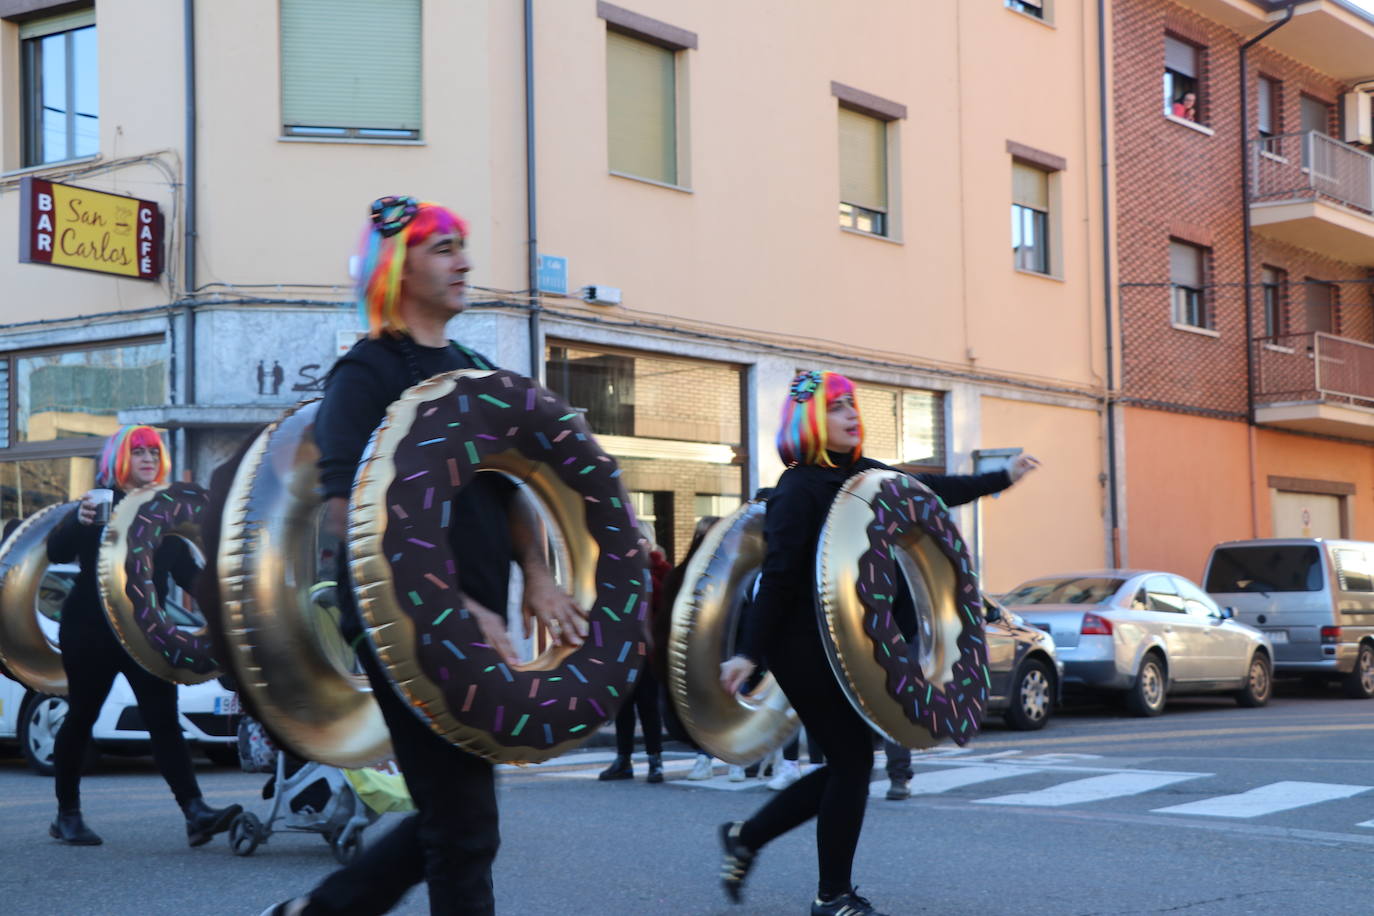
(1317, 383)
(1315, 192)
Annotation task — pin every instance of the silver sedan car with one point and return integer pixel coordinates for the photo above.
(1146, 634)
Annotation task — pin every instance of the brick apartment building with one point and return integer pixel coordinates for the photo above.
(1205, 456)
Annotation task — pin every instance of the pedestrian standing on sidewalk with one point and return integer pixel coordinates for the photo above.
(820, 441)
(646, 696)
(92, 656)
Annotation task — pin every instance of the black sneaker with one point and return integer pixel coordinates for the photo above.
(620, 768)
(655, 768)
(847, 904)
(735, 865)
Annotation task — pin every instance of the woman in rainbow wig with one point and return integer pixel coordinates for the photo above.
(91, 655)
(820, 439)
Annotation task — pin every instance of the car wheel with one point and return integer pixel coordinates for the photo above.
(1031, 697)
(1146, 696)
(1259, 683)
(1359, 684)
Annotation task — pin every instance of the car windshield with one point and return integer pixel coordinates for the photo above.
(1280, 568)
(1078, 590)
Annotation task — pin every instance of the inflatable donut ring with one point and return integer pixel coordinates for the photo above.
(739, 728)
(138, 525)
(884, 525)
(283, 648)
(27, 655)
(434, 440)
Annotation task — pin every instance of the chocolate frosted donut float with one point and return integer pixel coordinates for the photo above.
(884, 527)
(127, 575)
(435, 439)
(27, 655)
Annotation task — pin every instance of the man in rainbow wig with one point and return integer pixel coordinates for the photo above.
(412, 281)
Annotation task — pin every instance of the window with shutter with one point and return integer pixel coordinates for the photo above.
(1030, 218)
(641, 108)
(338, 81)
(863, 172)
(1182, 80)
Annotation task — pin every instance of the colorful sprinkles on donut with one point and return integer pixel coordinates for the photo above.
(176, 511)
(954, 709)
(451, 438)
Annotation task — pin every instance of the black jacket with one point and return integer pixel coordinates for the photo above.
(796, 513)
(360, 388)
(72, 541)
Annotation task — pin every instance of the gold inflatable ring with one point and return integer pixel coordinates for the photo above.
(27, 655)
(435, 439)
(292, 666)
(739, 728)
(884, 527)
(127, 574)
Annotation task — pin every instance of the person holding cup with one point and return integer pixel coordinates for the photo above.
(92, 656)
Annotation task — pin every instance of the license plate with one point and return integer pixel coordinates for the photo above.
(1277, 636)
(227, 706)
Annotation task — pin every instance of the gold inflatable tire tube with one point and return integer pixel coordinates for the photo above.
(882, 526)
(434, 440)
(138, 525)
(739, 729)
(26, 653)
(278, 642)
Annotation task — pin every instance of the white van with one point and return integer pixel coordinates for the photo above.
(207, 712)
(1314, 598)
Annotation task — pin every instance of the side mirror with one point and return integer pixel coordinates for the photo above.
(1227, 613)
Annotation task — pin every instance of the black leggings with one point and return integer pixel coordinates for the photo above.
(835, 794)
(644, 699)
(92, 657)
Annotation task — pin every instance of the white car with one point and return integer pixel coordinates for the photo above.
(208, 712)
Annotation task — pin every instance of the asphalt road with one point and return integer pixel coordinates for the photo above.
(1208, 809)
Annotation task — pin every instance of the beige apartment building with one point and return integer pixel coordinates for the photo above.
(673, 207)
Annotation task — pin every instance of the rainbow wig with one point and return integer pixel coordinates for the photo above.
(382, 258)
(802, 435)
(116, 459)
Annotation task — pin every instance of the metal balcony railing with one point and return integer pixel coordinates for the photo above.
(1311, 166)
(1314, 367)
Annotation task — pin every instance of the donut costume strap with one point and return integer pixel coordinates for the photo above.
(885, 527)
(436, 438)
(129, 587)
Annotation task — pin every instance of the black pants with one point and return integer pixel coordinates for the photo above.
(835, 794)
(813, 750)
(898, 761)
(449, 842)
(645, 701)
(92, 657)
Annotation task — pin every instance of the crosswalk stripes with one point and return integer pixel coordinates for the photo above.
(1270, 799)
(955, 778)
(1094, 788)
(1366, 824)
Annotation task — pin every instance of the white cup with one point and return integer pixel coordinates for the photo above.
(104, 502)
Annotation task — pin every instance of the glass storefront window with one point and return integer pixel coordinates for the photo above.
(75, 394)
(27, 486)
(675, 426)
(903, 426)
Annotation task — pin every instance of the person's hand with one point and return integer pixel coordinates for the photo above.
(85, 513)
(734, 672)
(493, 627)
(1021, 466)
(553, 607)
(335, 523)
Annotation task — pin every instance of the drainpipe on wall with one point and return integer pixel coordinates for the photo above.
(1113, 510)
(189, 243)
(1248, 259)
(531, 212)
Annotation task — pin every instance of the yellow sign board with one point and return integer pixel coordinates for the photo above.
(76, 227)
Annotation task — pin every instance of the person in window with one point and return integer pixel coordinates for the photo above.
(413, 280)
(92, 656)
(820, 440)
(1186, 106)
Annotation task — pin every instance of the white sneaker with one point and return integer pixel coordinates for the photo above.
(787, 773)
(703, 768)
(736, 773)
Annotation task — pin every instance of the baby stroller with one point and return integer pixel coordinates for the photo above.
(309, 797)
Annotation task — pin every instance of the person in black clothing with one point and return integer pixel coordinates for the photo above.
(820, 440)
(451, 840)
(92, 655)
